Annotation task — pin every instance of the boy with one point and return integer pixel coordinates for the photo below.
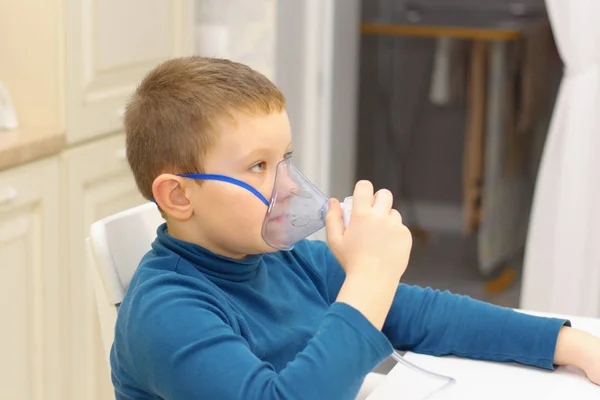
(213, 312)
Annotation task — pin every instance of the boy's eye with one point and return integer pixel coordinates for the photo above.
(260, 167)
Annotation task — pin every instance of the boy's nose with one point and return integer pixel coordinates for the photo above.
(289, 184)
(286, 185)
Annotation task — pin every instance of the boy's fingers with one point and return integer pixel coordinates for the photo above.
(396, 215)
(362, 197)
(383, 202)
(334, 222)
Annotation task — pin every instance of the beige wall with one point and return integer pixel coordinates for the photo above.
(31, 46)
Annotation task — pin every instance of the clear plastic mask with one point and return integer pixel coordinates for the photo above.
(297, 208)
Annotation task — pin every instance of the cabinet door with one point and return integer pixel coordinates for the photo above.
(98, 183)
(111, 44)
(31, 363)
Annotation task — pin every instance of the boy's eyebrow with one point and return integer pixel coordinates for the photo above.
(263, 150)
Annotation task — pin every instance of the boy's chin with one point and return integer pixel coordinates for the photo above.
(269, 249)
(265, 248)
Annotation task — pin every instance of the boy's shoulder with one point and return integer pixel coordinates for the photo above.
(159, 306)
(161, 272)
(157, 283)
(160, 296)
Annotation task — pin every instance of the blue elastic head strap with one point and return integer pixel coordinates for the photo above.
(223, 178)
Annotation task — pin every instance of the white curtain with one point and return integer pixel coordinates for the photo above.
(562, 260)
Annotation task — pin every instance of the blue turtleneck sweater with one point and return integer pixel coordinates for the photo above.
(196, 325)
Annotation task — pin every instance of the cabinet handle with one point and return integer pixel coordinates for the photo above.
(122, 154)
(8, 196)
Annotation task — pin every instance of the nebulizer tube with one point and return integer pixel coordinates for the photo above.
(401, 360)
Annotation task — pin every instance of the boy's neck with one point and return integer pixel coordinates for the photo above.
(189, 234)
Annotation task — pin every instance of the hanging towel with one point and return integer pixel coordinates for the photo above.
(448, 78)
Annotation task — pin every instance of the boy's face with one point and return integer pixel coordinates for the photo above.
(227, 218)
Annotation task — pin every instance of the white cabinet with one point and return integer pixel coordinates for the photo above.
(31, 301)
(73, 73)
(98, 183)
(76, 61)
(110, 45)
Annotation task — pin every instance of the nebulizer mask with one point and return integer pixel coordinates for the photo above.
(296, 210)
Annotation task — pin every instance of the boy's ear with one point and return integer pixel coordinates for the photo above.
(170, 195)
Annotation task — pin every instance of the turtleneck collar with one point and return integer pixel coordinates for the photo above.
(210, 263)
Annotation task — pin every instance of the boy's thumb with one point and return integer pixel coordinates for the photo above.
(334, 222)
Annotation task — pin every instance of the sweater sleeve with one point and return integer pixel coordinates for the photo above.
(429, 321)
(184, 348)
(441, 323)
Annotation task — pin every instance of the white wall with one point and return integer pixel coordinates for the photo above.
(241, 30)
(343, 120)
(317, 69)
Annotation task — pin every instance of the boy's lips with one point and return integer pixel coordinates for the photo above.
(279, 218)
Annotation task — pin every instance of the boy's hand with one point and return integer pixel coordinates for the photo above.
(579, 349)
(373, 250)
(376, 242)
(593, 369)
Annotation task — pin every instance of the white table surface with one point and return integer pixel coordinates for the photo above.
(488, 380)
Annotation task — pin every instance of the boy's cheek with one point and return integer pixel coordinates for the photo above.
(250, 215)
(235, 212)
